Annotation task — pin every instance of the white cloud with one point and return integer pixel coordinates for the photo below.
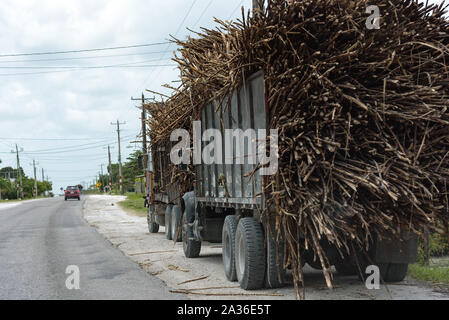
(82, 104)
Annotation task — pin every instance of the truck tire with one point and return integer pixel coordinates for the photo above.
(393, 272)
(168, 211)
(346, 269)
(228, 240)
(175, 222)
(315, 264)
(153, 227)
(275, 273)
(250, 254)
(192, 247)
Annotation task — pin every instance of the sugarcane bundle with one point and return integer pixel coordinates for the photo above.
(362, 115)
(164, 117)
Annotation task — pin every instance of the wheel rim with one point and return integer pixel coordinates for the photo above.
(168, 221)
(227, 251)
(241, 259)
(173, 225)
(184, 233)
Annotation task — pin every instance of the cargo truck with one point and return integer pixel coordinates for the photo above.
(226, 202)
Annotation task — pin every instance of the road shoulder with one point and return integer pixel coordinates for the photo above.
(203, 278)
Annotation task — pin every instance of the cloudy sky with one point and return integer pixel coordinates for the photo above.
(61, 116)
(58, 108)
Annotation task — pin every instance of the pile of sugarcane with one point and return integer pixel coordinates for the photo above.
(362, 115)
(165, 117)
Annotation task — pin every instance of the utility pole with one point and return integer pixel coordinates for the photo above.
(119, 157)
(35, 179)
(144, 145)
(110, 170)
(101, 174)
(19, 172)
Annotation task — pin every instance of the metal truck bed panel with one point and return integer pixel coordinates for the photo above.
(247, 110)
(164, 191)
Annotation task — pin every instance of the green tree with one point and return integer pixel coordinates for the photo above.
(7, 189)
(10, 173)
(132, 169)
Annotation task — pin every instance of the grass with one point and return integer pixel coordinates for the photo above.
(437, 271)
(134, 204)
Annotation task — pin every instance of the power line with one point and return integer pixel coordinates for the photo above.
(52, 139)
(85, 58)
(66, 150)
(176, 34)
(185, 18)
(78, 145)
(239, 6)
(203, 13)
(84, 50)
(82, 69)
(130, 64)
(94, 67)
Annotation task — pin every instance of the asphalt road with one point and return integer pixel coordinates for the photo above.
(39, 240)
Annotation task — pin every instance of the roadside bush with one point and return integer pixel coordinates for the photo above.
(438, 246)
(7, 189)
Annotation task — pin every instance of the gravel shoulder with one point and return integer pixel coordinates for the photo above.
(165, 260)
(12, 204)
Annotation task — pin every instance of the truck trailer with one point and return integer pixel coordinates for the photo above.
(225, 202)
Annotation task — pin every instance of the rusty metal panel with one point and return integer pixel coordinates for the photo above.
(228, 168)
(236, 124)
(245, 110)
(212, 168)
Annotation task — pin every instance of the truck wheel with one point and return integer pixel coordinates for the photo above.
(315, 264)
(393, 272)
(192, 247)
(275, 273)
(175, 221)
(168, 211)
(346, 269)
(65, 199)
(228, 239)
(250, 254)
(153, 227)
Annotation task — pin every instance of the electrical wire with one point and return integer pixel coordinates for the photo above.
(84, 58)
(79, 69)
(169, 44)
(130, 64)
(70, 149)
(233, 12)
(203, 13)
(52, 139)
(84, 50)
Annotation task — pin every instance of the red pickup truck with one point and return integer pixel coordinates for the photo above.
(72, 193)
